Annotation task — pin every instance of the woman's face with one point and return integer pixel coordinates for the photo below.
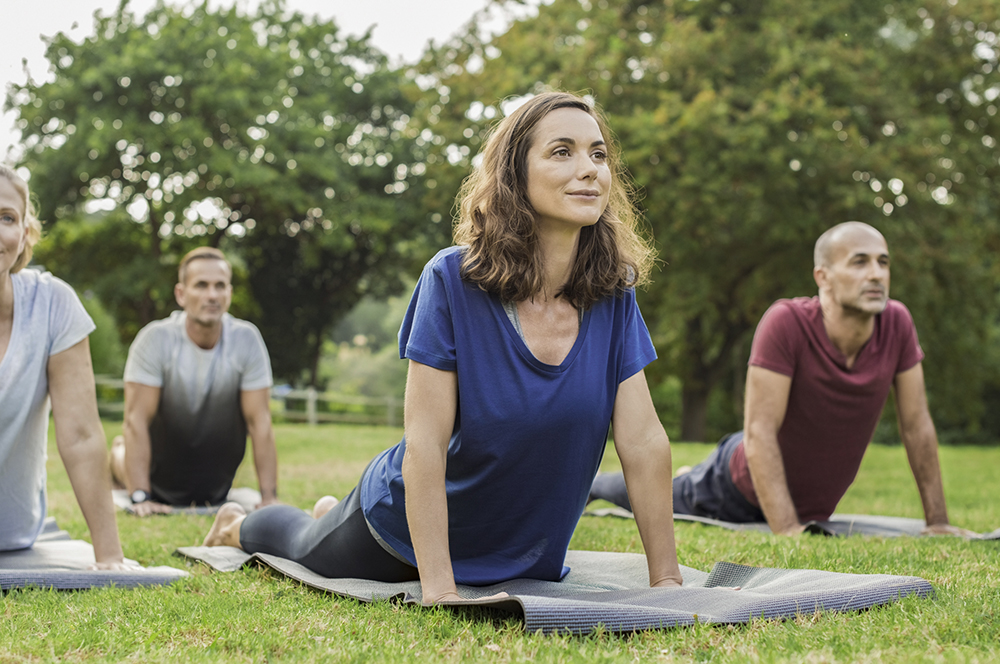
(568, 173)
(12, 231)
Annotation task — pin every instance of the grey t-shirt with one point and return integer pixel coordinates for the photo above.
(198, 435)
(48, 319)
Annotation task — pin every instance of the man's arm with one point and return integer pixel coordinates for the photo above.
(83, 448)
(644, 450)
(916, 428)
(766, 403)
(256, 407)
(141, 404)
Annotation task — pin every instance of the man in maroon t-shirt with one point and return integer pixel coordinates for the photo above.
(820, 372)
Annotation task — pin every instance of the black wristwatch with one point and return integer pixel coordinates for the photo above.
(139, 496)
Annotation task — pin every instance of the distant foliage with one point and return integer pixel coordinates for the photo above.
(266, 133)
(362, 358)
(753, 125)
(106, 350)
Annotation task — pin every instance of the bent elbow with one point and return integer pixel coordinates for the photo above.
(752, 445)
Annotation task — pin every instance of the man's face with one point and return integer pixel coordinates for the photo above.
(857, 278)
(206, 292)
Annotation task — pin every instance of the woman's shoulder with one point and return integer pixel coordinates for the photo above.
(36, 284)
(449, 256)
(446, 263)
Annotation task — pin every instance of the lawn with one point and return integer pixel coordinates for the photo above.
(253, 616)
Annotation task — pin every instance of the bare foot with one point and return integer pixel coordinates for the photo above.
(682, 470)
(324, 505)
(226, 529)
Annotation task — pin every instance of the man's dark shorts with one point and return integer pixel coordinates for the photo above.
(707, 490)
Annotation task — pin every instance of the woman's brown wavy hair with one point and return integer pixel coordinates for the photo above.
(497, 222)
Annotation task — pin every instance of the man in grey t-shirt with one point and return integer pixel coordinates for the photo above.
(195, 384)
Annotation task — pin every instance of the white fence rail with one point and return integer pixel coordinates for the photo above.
(307, 405)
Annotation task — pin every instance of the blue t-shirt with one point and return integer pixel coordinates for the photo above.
(528, 436)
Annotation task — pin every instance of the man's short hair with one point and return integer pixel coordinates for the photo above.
(824, 245)
(200, 252)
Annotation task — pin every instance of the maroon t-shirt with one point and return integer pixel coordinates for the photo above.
(832, 410)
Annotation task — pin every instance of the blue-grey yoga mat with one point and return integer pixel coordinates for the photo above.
(839, 525)
(612, 590)
(57, 561)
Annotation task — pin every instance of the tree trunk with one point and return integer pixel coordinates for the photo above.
(702, 375)
(314, 354)
(694, 412)
(739, 380)
(147, 308)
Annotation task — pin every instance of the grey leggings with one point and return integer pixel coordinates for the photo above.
(337, 545)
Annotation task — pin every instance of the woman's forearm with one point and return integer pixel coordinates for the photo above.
(650, 492)
(429, 418)
(87, 466)
(83, 446)
(427, 516)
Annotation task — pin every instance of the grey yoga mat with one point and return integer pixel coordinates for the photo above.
(612, 590)
(57, 561)
(247, 498)
(839, 525)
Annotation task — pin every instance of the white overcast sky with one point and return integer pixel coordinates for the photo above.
(402, 30)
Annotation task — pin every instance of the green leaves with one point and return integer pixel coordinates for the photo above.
(238, 129)
(751, 127)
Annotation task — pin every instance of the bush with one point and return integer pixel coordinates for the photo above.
(106, 350)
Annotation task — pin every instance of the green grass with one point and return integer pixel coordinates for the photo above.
(254, 615)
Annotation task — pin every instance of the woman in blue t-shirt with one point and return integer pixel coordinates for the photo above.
(524, 344)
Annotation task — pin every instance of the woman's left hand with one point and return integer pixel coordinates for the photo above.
(455, 597)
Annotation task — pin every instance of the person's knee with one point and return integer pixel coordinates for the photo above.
(610, 487)
(117, 461)
(681, 493)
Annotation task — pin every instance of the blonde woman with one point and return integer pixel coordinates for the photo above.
(44, 355)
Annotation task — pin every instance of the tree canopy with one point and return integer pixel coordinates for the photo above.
(267, 133)
(753, 125)
(750, 126)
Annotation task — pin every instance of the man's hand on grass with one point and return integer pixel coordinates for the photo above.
(148, 507)
(792, 531)
(273, 500)
(946, 529)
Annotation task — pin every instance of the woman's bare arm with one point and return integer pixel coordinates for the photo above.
(83, 448)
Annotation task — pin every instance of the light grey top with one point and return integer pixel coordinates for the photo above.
(48, 319)
(198, 435)
(163, 350)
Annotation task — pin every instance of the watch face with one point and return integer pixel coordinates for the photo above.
(139, 496)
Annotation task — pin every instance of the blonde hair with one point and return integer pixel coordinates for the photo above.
(29, 218)
(497, 222)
